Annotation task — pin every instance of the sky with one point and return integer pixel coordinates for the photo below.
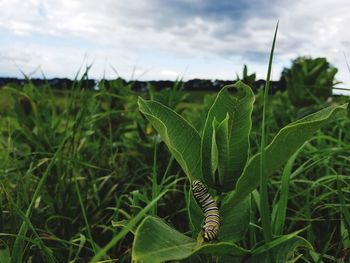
(165, 40)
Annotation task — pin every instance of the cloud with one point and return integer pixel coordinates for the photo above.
(161, 36)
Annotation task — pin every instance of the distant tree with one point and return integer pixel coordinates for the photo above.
(309, 80)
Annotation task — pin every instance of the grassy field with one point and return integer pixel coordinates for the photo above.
(83, 172)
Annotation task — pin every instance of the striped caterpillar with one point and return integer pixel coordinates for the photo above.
(209, 208)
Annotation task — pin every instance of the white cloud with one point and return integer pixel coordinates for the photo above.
(169, 74)
(214, 41)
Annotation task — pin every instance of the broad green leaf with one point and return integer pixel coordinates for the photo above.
(155, 241)
(239, 108)
(286, 142)
(279, 250)
(221, 248)
(234, 221)
(195, 214)
(223, 146)
(214, 148)
(181, 138)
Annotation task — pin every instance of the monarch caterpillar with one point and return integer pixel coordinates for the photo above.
(209, 208)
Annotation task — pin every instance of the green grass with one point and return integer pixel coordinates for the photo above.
(79, 171)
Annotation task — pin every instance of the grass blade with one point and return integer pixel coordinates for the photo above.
(102, 252)
(281, 206)
(18, 246)
(264, 202)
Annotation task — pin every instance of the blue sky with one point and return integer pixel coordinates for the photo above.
(163, 39)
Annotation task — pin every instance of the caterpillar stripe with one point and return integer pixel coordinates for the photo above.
(209, 208)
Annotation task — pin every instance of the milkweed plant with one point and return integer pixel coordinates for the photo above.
(219, 157)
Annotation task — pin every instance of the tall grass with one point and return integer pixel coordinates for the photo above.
(79, 170)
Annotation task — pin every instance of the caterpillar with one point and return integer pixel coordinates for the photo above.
(209, 208)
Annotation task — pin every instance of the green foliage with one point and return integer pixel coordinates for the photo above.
(80, 169)
(169, 244)
(5, 256)
(287, 141)
(225, 144)
(103, 251)
(170, 97)
(280, 209)
(65, 158)
(248, 79)
(282, 249)
(181, 138)
(234, 220)
(309, 81)
(234, 112)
